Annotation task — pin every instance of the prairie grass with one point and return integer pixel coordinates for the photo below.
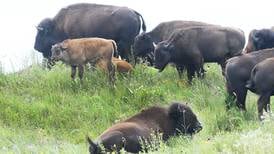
(43, 111)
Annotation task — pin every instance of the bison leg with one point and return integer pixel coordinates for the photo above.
(73, 72)
(81, 72)
(109, 68)
(111, 72)
(230, 99)
(190, 73)
(263, 102)
(222, 64)
(180, 70)
(241, 96)
(123, 50)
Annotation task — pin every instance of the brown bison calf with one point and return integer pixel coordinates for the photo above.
(130, 134)
(78, 52)
(262, 82)
(121, 65)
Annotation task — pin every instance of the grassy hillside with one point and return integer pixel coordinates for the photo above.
(44, 111)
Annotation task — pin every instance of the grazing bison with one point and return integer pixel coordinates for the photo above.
(191, 47)
(83, 20)
(237, 73)
(144, 43)
(177, 119)
(262, 82)
(121, 65)
(260, 39)
(78, 52)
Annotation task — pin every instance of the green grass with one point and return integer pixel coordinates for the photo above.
(43, 111)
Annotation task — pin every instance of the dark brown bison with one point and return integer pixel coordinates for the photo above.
(83, 20)
(260, 39)
(262, 83)
(177, 119)
(237, 73)
(193, 46)
(144, 43)
(78, 52)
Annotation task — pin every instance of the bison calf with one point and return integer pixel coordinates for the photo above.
(78, 52)
(129, 134)
(121, 65)
(262, 82)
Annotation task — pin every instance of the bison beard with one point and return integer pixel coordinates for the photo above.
(156, 121)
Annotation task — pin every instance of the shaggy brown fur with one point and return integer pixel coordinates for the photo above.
(177, 119)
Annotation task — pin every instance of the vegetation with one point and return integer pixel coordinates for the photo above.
(43, 111)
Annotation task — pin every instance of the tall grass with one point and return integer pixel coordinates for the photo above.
(44, 111)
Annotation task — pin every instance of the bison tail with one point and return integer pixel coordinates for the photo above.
(115, 51)
(93, 147)
(144, 27)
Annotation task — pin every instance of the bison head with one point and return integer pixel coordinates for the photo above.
(250, 44)
(45, 37)
(143, 45)
(162, 55)
(260, 39)
(58, 51)
(184, 119)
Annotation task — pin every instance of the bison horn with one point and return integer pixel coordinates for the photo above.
(39, 28)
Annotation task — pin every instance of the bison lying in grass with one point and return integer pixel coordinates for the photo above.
(78, 52)
(177, 119)
(262, 82)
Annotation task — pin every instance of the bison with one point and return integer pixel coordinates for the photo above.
(191, 47)
(260, 39)
(129, 134)
(262, 82)
(83, 20)
(237, 73)
(78, 52)
(144, 43)
(121, 65)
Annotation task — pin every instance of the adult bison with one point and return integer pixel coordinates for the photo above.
(237, 73)
(121, 24)
(144, 43)
(260, 39)
(191, 47)
(262, 82)
(177, 119)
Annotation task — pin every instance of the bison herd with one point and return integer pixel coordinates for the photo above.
(109, 37)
